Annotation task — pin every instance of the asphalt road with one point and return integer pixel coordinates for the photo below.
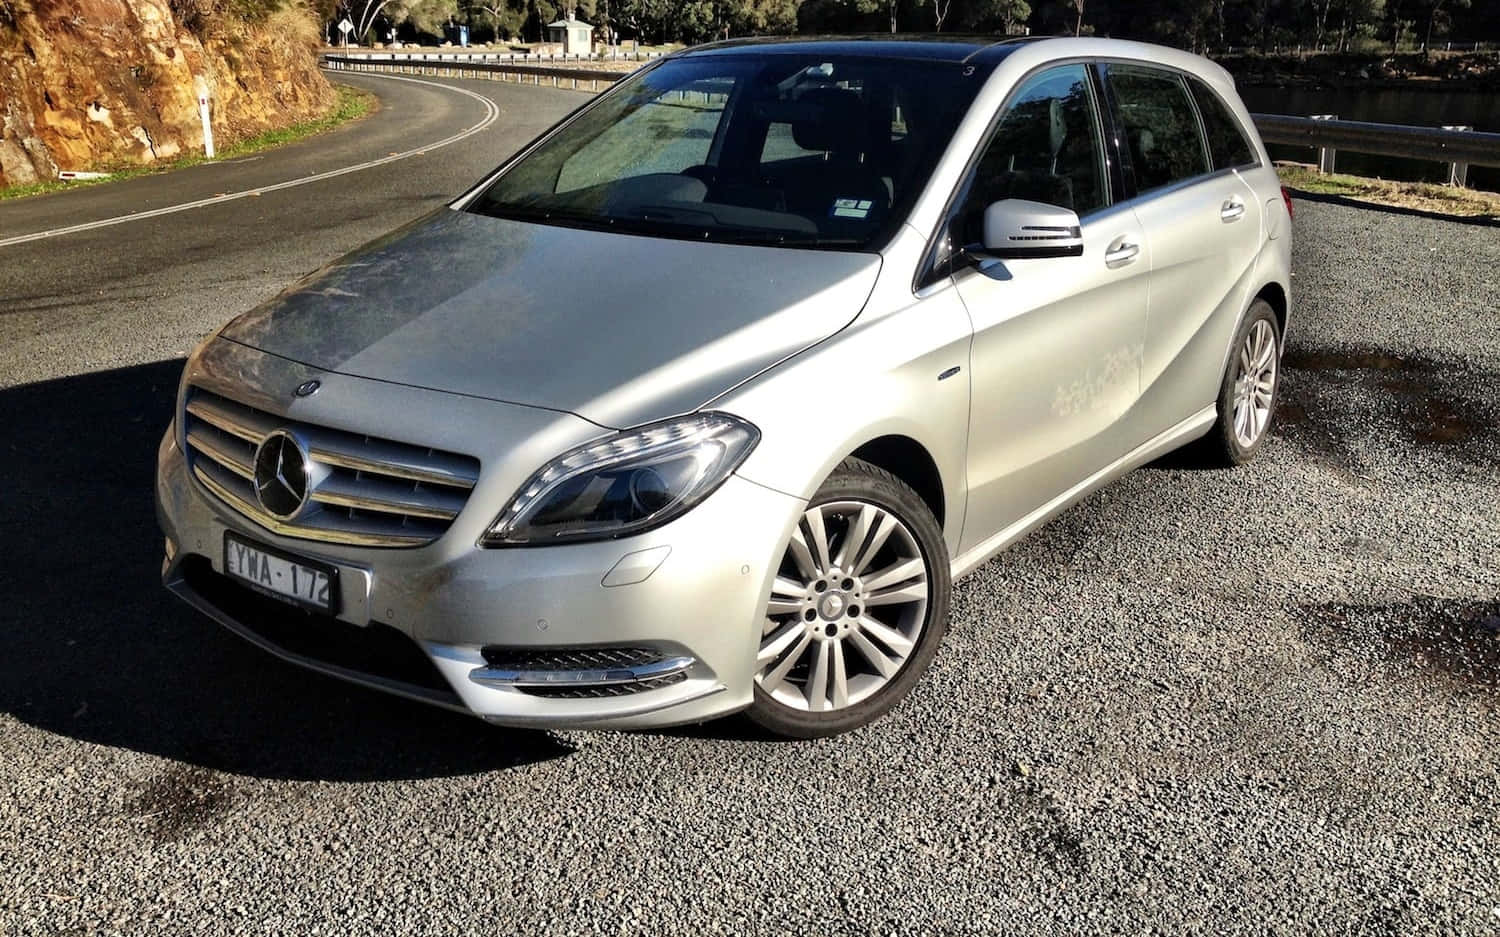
(1246, 701)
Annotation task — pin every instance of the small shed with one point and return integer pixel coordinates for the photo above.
(574, 35)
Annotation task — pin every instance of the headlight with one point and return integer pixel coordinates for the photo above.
(625, 483)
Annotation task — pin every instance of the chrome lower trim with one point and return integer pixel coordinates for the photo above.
(487, 676)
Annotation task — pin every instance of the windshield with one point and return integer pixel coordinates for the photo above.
(796, 150)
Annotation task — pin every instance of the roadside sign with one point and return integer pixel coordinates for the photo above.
(345, 26)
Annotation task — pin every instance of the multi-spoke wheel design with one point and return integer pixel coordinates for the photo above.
(1255, 383)
(847, 607)
(1248, 389)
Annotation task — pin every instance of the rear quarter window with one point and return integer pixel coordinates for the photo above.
(1226, 141)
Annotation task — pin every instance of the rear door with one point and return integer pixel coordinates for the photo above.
(1055, 363)
(1203, 231)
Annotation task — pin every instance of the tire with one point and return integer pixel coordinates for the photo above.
(873, 526)
(1227, 444)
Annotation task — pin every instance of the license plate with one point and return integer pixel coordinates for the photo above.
(303, 582)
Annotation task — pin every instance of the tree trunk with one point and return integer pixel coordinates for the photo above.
(1078, 24)
(893, 17)
(1432, 16)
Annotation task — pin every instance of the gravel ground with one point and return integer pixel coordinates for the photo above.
(1246, 701)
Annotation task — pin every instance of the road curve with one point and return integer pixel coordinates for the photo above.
(414, 148)
(147, 288)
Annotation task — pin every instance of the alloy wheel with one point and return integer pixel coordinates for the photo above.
(1255, 383)
(846, 610)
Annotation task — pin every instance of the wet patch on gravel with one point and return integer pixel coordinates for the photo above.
(182, 799)
(1342, 405)
(1057, 841)
(1458, 640)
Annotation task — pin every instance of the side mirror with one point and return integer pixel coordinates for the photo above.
(1016, 228)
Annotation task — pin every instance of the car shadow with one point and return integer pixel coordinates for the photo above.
(1482, 221)
(93, 648)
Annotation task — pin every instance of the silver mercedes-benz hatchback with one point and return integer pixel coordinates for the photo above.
(700, 402)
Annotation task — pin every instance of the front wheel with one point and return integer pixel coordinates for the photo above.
(857, 609)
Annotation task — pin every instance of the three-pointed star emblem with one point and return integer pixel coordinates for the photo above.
(281, 474)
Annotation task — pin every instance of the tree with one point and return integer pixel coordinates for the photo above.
(940, 10)
(1434, 12)
(426, 16)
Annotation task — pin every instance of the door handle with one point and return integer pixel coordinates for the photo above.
(1121, 252)
(1232, 209)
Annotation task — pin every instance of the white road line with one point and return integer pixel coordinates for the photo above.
(492, 112)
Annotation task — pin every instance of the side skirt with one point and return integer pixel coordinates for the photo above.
(1184, 432)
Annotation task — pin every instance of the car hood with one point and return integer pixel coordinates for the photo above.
(616, 328)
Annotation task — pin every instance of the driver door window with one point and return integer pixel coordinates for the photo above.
(1047, 147)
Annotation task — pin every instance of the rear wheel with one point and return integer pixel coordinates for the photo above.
(857, 609)
(1248, 394)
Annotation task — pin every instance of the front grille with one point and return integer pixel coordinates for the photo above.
(362, 490)
(376, 650)
(568, 658)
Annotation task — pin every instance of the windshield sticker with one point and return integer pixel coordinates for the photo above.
(851, 207)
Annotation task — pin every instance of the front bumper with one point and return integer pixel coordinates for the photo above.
(414, 621)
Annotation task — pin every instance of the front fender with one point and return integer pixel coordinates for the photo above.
(882, 376)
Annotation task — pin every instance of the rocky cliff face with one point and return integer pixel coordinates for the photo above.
(100, 83)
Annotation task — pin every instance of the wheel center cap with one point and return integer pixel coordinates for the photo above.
(831, 606)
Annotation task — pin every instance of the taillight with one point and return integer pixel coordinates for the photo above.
(1287, 197)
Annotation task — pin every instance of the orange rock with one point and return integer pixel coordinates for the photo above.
(90, 83)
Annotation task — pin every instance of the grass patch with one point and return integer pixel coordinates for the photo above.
(351, 104)
(1421, 196)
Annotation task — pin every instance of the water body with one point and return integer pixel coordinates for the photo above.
(1415, 105)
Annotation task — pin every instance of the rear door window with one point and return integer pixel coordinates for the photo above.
(1226, 141)
(1159, 125)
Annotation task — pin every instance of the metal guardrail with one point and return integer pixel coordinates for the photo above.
(558, 76)
(1458, 147)
(479, 55)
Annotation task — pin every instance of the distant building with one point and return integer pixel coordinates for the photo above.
(574, 35)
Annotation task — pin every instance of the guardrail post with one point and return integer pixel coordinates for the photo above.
(1326, 154)
(1458, 173)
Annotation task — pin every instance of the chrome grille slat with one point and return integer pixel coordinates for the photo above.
(385, 460)
(368, 491)
(330, 529)
(222, 451)
(235, 418)
(372, 494)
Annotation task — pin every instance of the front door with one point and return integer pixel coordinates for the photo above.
(1055, 363)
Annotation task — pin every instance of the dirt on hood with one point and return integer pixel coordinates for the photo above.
(93, 84)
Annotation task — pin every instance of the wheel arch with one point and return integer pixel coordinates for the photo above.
(909, 461)
(1275, 296)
